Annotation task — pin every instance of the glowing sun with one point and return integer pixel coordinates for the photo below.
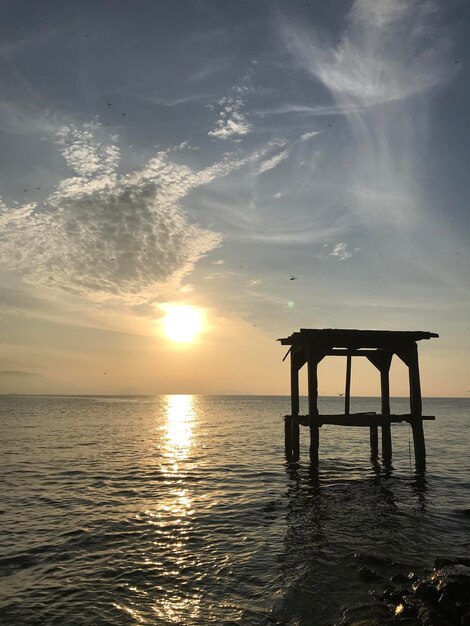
(183, 323)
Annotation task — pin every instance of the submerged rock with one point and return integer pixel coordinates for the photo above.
(368, 575)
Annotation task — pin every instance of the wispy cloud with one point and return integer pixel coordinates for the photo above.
(232, 121)
(389, 52)
(102, 234)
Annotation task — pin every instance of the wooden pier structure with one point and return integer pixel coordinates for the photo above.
(309, 346)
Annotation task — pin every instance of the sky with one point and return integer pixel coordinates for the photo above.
(274, 164)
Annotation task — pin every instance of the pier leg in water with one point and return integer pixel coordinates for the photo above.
(419, 446)
(386, 443)
(410, 357)
(314, 444)
(382, 360)
(313, 359)
(288, 423)
(294, 384)
(295, 439)
(374, 442)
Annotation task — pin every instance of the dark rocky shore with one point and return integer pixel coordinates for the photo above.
(441, 598)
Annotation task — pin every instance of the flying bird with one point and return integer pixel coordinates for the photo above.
(292, 277)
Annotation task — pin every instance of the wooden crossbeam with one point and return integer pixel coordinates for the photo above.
(360, 419)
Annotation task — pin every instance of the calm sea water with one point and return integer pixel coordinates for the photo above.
(183, 510)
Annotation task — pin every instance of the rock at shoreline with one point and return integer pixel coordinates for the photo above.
(440, 599)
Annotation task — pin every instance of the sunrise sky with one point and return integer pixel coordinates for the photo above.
(202, 153)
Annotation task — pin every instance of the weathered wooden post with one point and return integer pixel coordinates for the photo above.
(410, 357)
(312, 360)
(294, 373)
(385, 402)
(382, 361)
(347, 389)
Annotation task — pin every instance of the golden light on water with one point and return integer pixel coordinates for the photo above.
(174, 515)
(183, 323)
(179, 422)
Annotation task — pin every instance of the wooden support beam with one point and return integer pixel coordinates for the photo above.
(294, 384)
(313, 359)
(362, 419)
(288, 421)
(355, 420)
(313, 407)
(419, 445)
(314, 444)
(374, 441)
(295, 439)
(409, 356)
(347, 389)
(294, 380)
(382, 360)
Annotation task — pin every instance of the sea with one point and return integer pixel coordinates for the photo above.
(184, 510)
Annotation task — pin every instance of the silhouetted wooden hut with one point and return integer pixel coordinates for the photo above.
(309, 346)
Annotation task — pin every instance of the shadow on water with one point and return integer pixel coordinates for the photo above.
(341, 519)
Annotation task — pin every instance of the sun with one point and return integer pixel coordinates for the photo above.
(183, 323)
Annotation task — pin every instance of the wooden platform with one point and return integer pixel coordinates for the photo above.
(310, 346)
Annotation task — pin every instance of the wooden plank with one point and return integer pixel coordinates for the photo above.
(352, 338)
(363, 419)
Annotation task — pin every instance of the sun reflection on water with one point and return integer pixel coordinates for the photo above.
(180, 415)
(173, 520)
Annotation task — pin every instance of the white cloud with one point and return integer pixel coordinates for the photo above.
(341, 252)
(274, 161)
(387, 52)
(101, 234)
(307, 136)
(232, 122)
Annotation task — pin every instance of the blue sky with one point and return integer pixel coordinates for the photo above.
(203, 153)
